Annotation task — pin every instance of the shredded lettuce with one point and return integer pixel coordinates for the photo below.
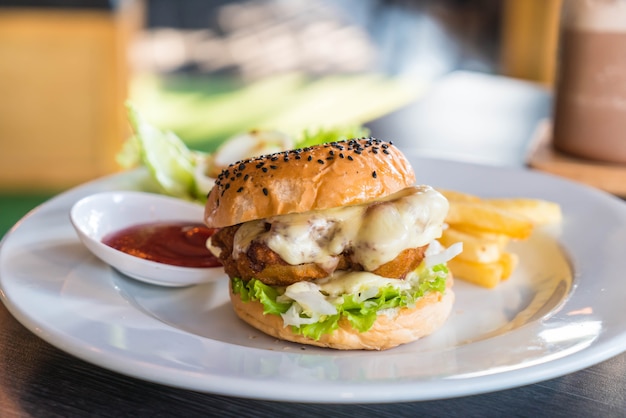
(360, 313)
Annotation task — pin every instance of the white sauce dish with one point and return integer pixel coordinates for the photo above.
(99, 215)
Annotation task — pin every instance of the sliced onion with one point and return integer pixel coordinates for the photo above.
(309, 296)
(368, 293)
(446, 254)
(292, 317)
(251, 144)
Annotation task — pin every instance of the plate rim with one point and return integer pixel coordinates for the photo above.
(589, 356)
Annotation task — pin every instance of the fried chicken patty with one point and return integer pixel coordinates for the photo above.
(264, 264)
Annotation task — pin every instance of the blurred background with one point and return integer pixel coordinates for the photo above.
(208, 70)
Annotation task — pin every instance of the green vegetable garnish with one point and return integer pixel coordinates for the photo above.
(361, 314)
(310, 137)
(170, 162)
(181, 172)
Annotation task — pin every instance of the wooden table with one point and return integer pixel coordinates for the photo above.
(38, 380)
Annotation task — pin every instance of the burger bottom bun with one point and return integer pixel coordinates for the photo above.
(409, 324)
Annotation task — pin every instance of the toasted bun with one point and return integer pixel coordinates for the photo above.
(320, 177)
(410, 324)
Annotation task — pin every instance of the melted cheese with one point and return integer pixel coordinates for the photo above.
(355, 282)
(375, 233)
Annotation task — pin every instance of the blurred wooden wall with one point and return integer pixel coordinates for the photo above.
(529, 39)
(63, 83)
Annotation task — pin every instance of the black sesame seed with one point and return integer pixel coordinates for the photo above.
(320, 161)
(239, 190)
(374, 174)
(385, 152)
(246, 177)
(273, 167)
(350, 158)
(310, 158)
(242, 166)
(264, 169)
(265, 192)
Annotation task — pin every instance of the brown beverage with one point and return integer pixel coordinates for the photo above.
(590, 107)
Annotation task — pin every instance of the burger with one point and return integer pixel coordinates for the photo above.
(333, 245)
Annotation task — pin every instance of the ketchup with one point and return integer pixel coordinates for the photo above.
(176, 243)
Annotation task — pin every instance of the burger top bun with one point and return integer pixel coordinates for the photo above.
(321, 177)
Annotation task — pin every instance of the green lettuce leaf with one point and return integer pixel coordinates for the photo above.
(179, 171)
(255, 290)
(316, 330)
(310, 137)
(360, 314)
(170, 162)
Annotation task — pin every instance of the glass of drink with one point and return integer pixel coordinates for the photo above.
(590, 104)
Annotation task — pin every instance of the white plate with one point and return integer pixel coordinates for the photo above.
(542, 323)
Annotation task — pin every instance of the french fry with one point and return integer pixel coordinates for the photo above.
(509, 262)
(475, 248)
(501, 239)
(453, 195)
(540, 212)
(485, 227)
(485, 217)
(483, 274)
